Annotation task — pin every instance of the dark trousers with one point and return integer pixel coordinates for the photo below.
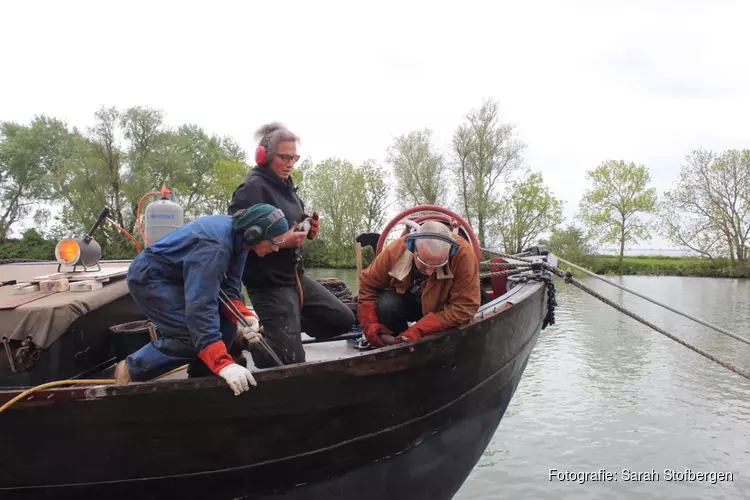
(395, 309)
(322, 315)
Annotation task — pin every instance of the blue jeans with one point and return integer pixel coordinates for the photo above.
(163, 302)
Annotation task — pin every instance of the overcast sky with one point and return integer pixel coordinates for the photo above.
(643, 81)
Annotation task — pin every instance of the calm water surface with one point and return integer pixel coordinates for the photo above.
(602, 391)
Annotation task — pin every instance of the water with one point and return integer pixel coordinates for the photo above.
(602, 391)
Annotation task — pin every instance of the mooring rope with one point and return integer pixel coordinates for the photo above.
(490, 265)
(568, 277)
(523, 256)
(653, 301)
(507, 272)
(644, 297)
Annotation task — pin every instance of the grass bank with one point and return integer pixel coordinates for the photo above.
(665, 266)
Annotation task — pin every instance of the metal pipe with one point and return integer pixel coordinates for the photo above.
(343, 336)
(241, 319)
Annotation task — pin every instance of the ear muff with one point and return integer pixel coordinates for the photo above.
(260, 155)
(253, 235)
(412, 237)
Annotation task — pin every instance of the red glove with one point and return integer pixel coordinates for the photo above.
(372, 334)
(368, 318)
(314, 226)
(241, 307)
(425, 326)
(216, 356)
(366, 314)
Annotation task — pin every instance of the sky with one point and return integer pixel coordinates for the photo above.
(583, 81)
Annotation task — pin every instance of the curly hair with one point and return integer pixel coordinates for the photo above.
(271, 134)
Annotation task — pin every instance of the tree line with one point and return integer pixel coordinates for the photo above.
(61, 177)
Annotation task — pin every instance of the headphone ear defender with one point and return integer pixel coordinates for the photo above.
(260, 155)
(412, 237)
(253, 235)
(410, 245)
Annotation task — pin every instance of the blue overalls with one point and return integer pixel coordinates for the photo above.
(176, 283)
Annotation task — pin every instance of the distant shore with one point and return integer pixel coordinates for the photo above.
(660, 265)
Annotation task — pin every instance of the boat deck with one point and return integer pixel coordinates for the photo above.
(319, 351)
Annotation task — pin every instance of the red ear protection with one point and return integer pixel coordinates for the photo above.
(260, 155)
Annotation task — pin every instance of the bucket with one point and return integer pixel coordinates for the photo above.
(129, 337)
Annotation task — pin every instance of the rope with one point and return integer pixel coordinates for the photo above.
(569, 279)
(697, 320)
(517, 256)
(504, 273)
(491, 265)
(299, 288)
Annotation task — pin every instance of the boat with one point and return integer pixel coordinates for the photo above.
(403, 421)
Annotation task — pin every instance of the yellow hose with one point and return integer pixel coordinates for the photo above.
(299, 288)
(53, 384)
(80, 382)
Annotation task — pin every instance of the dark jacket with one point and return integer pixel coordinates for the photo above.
(261, 185)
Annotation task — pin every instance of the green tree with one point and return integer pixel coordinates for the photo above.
(418, 169)
(527, 210)
(94, 177)
(31, 159)
(334, 188)
(31, 246)
(570, 243)
(375, 193)
(486, 152)
(194, 163)
(708, 210)
(349, 199)
(226, 175)
(611, 208)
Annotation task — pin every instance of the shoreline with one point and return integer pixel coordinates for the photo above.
(643, 265)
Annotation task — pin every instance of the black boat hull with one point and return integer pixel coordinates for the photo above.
(401, 422)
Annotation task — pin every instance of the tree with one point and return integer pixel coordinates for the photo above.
(31, 159)
(610, 208)
(486, 151)
(334, 189)
(527, 210)
(349, 199)
(375, 193)
(569, 243)
(708, 210)
(418, 169)
(189, 165)
(225, 175)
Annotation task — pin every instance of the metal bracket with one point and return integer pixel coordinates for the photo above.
(9, 354)
(25, 355)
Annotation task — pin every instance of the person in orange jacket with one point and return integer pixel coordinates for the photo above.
(429, 276)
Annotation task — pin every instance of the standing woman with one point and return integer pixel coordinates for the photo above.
(287, 301)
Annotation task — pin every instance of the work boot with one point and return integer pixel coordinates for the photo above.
(122, 375)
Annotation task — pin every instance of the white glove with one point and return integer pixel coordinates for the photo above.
(238, 377)
(250, 333)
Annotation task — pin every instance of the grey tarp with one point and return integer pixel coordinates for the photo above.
(46, 319)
